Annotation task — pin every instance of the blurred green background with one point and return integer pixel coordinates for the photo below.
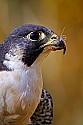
(62, 74)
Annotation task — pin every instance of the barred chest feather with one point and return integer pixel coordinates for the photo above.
(20, 94)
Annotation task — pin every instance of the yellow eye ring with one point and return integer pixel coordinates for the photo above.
(36, 36)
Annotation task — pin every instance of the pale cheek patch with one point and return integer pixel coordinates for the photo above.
(13, 59)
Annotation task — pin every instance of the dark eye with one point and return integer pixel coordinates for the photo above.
(34, 36)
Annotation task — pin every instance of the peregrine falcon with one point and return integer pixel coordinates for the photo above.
(23, 100)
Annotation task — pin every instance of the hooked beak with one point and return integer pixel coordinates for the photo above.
(56, 43)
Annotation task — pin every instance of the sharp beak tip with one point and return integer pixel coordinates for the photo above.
(62, 45)
(64, 50)
(59, 47)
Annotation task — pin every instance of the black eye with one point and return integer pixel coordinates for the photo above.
(34, 35)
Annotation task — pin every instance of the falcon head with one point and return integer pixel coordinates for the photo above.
(30, 43)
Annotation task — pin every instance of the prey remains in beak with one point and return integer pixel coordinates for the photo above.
(56, 43)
